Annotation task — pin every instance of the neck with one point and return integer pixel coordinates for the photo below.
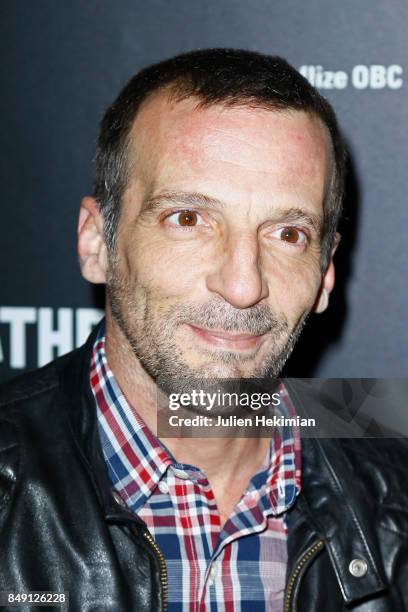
(227, 462)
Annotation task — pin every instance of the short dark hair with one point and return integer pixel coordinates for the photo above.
(214, 76)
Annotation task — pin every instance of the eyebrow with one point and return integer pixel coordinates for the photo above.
(175, 198)
(294, 215)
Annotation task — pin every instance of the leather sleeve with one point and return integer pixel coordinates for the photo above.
(8, 464)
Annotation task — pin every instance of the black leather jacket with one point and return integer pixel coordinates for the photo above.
(62, 530)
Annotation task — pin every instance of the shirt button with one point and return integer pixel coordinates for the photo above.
(212, 574)
(358, 568)
(180, 474)
(163, 487)
(281, 487)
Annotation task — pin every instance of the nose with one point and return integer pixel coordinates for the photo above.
(237, 277)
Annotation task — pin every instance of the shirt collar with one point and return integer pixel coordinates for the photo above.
(137, 460)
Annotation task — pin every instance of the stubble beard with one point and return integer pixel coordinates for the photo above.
(150, 331)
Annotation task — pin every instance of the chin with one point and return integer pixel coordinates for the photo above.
(227, 364)
(222, 370)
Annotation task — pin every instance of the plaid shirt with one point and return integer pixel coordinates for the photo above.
(209, 568)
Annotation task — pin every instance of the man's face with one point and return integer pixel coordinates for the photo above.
(217, 262)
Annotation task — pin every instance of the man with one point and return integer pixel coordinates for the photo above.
(219, 181)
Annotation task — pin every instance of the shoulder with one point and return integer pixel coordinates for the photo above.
(20, 399)
(350, 447)
(67, 371)
(366, 473)
(39, 399)
(26, 386)
(18, 392)
(33, 411)
(385, 457)
(353, 408)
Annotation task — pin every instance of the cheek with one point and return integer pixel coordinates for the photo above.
(166, 268)
(293, 286)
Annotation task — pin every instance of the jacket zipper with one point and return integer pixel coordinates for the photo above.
(162, 566)
(305, 559)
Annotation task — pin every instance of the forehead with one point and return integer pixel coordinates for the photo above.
(239, 146)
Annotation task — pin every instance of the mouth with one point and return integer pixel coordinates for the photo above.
(227, 340)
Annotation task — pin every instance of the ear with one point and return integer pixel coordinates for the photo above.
(91, 243)
(328, 280)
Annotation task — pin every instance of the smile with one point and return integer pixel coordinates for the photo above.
(227, 340)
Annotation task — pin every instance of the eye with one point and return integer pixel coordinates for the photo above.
(185, 218)
(292, 235)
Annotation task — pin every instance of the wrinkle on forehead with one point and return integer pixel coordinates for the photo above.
(240, 137)
(256, 144)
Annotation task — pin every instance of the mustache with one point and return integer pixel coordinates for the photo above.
(257, 320)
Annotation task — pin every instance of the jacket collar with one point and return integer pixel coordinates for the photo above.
(334, 502)
(330, 493)
(77, 396)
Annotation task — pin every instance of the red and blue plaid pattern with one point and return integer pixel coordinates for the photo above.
(239, 567)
